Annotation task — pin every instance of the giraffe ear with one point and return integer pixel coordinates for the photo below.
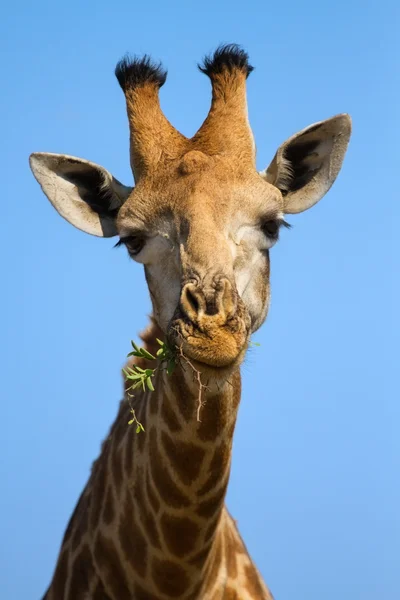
(307, 164)
(84, 193)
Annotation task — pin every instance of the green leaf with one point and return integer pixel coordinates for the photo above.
(150, 384)
(141, 427)
(134, 376)
(139, 369)
(131, 421)
(135, 385)
(147, 354)
(128, 371)
(160, 342)
(138, 429)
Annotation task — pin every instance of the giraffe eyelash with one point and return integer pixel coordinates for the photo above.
(133, 243)
(285, 224)
(271, 227)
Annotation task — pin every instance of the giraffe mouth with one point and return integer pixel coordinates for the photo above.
(210, 344)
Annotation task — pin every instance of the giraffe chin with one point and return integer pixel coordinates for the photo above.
(211, 348)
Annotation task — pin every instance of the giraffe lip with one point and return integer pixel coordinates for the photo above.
(196, 357)
(217, 349)
(219, 370)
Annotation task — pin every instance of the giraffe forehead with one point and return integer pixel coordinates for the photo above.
(198, 189)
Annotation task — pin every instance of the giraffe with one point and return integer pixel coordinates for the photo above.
(151, 522)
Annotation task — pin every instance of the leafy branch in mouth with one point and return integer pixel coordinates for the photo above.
(143, 378)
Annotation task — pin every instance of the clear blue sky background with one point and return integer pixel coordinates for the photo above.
(315, 479)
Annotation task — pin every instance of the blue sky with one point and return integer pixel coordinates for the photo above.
(315, 479)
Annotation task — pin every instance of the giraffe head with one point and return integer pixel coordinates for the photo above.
(200, 218)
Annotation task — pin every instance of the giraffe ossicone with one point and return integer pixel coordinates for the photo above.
(151, 523)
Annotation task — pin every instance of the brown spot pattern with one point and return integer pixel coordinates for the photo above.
(80, 523)
(210, 507)
(169, 417)
(153, 401)
(119, 428)
(213, 418)
(169, 577)
(211, 529)
(229, 594)
(218, 467)
(184, 398)
(162, 479)
(141, 594)
(186, 458)
(151, 530)
(82, 575)
(60, 576)
(109, 564)
(108, 508)
(129, 451)
(215, 560)
(97, 493)
(116, 467)
(151, 494)
(180, 534)
(200, 557)
(253, 584)
(141, 504)
(230, 430)
(230, 554)
(99, 593)
(132, 540)
(71, 522)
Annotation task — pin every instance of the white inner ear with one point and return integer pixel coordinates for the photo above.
(304, 176)
(315, 159)
(56, 174)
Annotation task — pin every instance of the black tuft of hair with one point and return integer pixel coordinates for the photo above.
(226, 56)
(135, 71)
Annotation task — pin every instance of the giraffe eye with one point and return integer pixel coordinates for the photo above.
(134, 243)
(271, 228)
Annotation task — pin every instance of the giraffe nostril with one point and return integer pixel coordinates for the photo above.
(192, 302)
(191, 298)
(217, 300)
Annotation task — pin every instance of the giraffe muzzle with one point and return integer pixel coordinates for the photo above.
(211, 324)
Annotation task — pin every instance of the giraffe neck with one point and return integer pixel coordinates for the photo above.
(151, 522)
(176, 477)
